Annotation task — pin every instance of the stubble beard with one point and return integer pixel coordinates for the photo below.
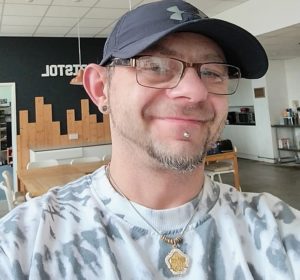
(180, 163)
(167, 160)
(184, 163)
(157, 151)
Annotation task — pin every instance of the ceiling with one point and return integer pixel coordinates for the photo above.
(59, 18)
(283, 43)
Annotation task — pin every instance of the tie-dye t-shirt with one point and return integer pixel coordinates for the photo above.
(86, 230)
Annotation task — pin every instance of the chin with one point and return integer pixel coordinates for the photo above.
(178, 158)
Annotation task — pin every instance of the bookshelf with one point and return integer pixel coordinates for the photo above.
(288, 141)
(5, 118)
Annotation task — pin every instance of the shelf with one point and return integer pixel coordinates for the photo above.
(4, 114)
(286, 143)
(289, 149)
(242, 124)
(286, 125)
(9, 156)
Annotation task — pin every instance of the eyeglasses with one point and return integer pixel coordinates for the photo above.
(166, 73)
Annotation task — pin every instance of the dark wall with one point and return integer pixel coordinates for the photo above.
(23, 60)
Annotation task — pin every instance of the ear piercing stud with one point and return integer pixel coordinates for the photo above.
(105, 109)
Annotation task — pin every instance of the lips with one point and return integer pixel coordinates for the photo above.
(190, 113)
(176, 126)
(183, 119)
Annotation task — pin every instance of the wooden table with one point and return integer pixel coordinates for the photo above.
(38, 181)
(89, 167)
(227, 156)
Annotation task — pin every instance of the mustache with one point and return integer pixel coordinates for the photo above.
(198, 112)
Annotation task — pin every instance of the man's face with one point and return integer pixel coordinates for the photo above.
(154, 121)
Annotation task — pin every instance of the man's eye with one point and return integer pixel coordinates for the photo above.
(158, 69)
(155, 67)
(212, 75)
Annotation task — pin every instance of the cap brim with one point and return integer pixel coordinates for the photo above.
(240, 47)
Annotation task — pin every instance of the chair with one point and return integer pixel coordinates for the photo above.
(28, 196)
(43, 163)
(106, 157)
(217, 168)
(84, 160)
(13, 198)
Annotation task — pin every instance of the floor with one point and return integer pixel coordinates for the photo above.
(282, 181)
(3, 208)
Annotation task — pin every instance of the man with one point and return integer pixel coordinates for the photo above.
(151, 213)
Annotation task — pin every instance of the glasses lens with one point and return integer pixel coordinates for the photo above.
(220, 78)
(158, 72)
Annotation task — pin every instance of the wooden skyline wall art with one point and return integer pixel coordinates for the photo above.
(45, 133)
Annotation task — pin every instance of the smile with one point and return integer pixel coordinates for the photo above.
(181, 121)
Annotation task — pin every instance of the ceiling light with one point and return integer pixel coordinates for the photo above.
(77, 80)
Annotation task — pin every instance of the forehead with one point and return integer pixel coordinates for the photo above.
(188, 45)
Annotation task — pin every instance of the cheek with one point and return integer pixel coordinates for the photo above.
(220, 104)
(129, 99)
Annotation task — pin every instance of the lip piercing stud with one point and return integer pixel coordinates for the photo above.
(186, 135)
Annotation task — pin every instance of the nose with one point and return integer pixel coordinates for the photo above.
(190, 86)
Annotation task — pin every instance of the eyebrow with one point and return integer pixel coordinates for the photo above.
(163, 50)
(214, 57)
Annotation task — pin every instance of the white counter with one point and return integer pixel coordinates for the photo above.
(66, 154)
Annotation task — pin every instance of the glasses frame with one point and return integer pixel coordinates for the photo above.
(132, 62)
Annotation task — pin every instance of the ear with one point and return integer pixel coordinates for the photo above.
(94, 81)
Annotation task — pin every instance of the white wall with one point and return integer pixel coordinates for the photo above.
(243, 96)
(259, 142)
(243, 137)
(265, 148)
(278, 99)
(5, 92)
(292, 67)
(253, 142)
(282, 81)
(281, 85)
(262, 16)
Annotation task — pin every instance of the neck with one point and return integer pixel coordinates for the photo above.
(155, 188)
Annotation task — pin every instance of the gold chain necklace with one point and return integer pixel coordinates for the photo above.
(176, 260)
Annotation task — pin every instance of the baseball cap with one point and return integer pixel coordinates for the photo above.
(142, 27)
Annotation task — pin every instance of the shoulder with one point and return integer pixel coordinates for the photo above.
(266, 226)
(50, 224)
(262, 207)
(61, 205)
(258, 202)
(30, 214)
(47, 222)
(59, 202)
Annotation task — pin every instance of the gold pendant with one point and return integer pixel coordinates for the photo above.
(177, 261)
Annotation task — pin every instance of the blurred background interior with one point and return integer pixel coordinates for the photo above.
(45, 113)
